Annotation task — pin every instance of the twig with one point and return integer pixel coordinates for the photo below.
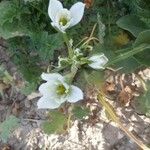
(33, 120)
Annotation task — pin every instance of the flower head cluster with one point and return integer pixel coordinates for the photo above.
(63, 18)
(96, 61)
(56, 91)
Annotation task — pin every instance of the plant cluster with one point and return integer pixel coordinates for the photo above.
(107, 34)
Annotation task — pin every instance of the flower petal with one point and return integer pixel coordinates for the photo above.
(98, 61)
(48, 89)
(75, 94)
(63, 13)
(57, 27)
(52, 76)
(77, 11)
(54, 7)
(46, 102)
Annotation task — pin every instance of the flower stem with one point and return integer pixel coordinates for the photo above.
(70, 50)
(71, 75)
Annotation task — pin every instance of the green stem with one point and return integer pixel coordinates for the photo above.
(59, 69)
(74, 67)
(74, 70)
(129, 54)
(70, 51)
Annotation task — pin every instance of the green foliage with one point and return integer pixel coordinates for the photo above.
(101, 28)
(56, 124)
(23, 58)
(138, 7)
(32, 0)
(136, 56)
(9, 18)
(128, 53)
(143, 38)
(29, 88)
(95, 78)
(143, 102)
(46, 44)
(80, 112)
(7, 127)
(126, 68)
(139, 27)
(87, 78)
(11, 30)
(139, 56)
(26, 26)
(8, 12)
(132, 23)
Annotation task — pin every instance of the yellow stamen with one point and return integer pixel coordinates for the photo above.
(61, 90)
(63, 21)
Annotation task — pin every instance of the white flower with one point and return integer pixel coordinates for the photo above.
(56, 91)
(98, 61)
(63, 18)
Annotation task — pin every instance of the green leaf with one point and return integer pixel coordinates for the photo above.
(27, 65)
(7, 127)
(88, 78)
(142, 103)
(57, 123)
(95, 78)
(46, 44)
(10, 25)
(10, 30)
(8, 12)
(122, 56)
(125, 67)
(143, 38)
(29, 88)
(132, 23)
(80, 112)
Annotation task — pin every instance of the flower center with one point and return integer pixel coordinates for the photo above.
(63, 21)
(61, 89)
